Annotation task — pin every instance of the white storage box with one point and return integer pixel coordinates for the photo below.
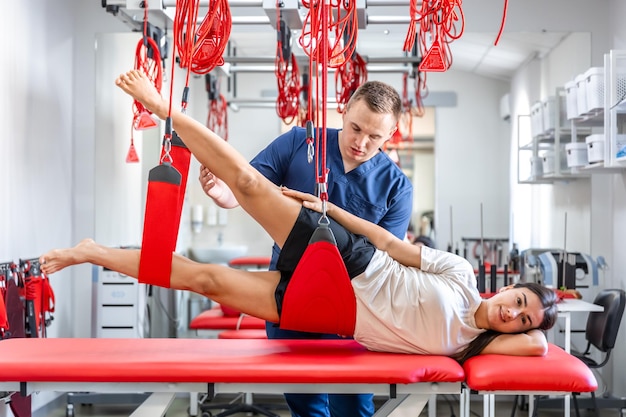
(594, 84)
(553, 118)
(595, 147)
(536, 119)
(576, 154)
(536, 167)
(571, 93)
(581, 94)
(548, 162)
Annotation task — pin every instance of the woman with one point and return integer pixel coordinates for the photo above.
(409, 298)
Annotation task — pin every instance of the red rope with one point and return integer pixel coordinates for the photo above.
(348, 78)
(217, 119)
(504, 11)
(440, 23)
(149, 65)
(201, 50)
(287, 77)
(341, 19)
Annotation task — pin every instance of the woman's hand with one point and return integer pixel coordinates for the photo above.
(308, 200)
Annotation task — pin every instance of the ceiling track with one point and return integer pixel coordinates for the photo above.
(259, 3)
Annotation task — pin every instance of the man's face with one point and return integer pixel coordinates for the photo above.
(364, 133)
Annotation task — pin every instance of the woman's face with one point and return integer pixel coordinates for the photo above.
(514, 310)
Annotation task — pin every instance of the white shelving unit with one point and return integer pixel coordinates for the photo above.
(549, 139)
(609, 120)
(613, 116)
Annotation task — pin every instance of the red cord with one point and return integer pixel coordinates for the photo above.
(440, 23)
(504, 11)
(150, 66)
(348, 78)
(217, 119)
(201, 50)
(287, 79)
(318, 23)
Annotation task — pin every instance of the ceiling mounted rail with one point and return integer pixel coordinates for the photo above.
(259, 3)
(271, 68)
(369, 60)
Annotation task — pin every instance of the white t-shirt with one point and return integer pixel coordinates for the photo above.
(408, 310)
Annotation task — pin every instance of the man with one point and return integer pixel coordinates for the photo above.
(362, 180)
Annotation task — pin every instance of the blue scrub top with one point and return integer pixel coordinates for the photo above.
(376, 190)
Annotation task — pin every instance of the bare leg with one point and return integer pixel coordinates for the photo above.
(259, 197)
(249, 292)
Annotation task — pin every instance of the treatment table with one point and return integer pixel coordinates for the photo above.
(169, 366)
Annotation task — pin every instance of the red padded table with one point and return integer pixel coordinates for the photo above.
(243, 334)
(259, 262)
(222, 366)
(557, 373)
(214, 319)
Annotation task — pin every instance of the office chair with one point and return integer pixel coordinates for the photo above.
(601, 334)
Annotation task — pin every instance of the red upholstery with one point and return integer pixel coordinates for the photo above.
(214, 319)
(558, 371)
(250, 261)
(212, 360)
(319, 297)
(229, 312)
(243, 334)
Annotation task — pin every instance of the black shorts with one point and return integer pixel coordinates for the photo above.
(355, 250)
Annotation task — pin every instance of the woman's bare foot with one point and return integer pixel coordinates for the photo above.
(138, 86)
(57, 259)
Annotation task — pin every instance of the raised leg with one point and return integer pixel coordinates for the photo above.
(249, 292)
(259, 197)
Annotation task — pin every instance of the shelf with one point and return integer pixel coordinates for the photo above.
(539, 180)
(595, 119)
(599, 167)
(540, 146)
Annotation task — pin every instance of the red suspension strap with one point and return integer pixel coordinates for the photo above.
(199, 51)
(319, 297)
(440, 22)
(39, 298)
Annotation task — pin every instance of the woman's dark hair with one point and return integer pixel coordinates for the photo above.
(425, 240)
(548, 299)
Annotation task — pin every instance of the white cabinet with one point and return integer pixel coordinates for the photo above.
(118, 305)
